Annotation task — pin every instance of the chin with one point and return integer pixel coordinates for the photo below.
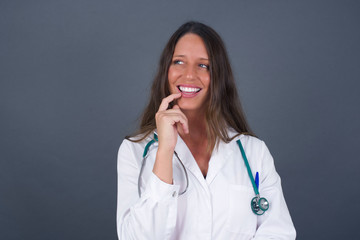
(188, 107)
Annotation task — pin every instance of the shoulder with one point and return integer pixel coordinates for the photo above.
(253, 146)
(132, 143)
(245, 139)
(251, 143)
(129, 149)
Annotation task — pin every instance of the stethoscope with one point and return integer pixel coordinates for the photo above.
(259, 205)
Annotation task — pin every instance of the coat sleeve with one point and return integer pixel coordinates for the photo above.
(153, 216)
(275, 223)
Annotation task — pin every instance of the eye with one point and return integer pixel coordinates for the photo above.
(178, 62)
(204, 66)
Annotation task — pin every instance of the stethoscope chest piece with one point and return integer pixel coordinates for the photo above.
(259, 205)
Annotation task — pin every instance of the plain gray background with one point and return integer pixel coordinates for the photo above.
(75, 76)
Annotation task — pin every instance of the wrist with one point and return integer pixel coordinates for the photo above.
(164, 153)
(163, 165)
(165, 148)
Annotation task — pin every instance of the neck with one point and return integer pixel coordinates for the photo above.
(197, 127)
(197, 140)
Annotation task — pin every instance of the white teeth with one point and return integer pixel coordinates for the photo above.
(189, 89)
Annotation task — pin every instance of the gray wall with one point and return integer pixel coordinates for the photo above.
(75, 76)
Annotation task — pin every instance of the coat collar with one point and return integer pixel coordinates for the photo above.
(218, 159)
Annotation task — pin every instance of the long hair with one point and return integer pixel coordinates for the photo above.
(224, 109)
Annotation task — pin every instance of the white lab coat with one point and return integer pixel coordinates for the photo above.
(217, 207)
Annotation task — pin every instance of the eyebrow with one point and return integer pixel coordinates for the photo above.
(185, 56)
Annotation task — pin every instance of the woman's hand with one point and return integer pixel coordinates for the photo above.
(167, 121)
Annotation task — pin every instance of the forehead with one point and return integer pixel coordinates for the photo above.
(191, 44)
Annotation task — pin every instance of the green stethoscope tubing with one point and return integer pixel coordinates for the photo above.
(145, 155)
(258, 209)
(258, 204)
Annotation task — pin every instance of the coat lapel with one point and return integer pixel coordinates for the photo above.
(218, 159)
(189, 162)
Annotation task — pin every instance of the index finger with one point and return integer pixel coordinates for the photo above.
(165, 102)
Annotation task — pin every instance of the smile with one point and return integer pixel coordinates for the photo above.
(188, 91)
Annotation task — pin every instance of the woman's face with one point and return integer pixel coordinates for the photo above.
(189, 72)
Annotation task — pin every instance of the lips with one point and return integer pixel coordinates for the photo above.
(188, 90)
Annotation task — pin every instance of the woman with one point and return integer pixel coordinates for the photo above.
(194, 183)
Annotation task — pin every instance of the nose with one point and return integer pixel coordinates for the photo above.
(190, 72)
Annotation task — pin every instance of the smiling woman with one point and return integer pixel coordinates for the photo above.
(183, 175)
(189, 73)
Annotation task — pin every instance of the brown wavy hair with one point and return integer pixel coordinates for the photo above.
(224, 108)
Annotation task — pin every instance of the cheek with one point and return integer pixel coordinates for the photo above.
(173, 76)
(172, 80)
(206, 80)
